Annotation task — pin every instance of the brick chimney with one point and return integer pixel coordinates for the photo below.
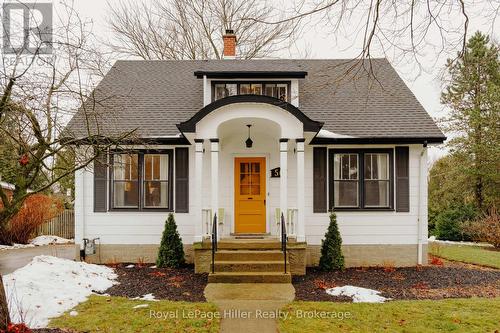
(229, 39)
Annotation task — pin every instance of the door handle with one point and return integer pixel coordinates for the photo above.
(264, 202)
(250, 198)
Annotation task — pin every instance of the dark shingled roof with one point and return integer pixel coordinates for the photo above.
(155, 96)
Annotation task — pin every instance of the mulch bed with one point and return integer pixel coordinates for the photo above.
(451, 280)
(179, 284)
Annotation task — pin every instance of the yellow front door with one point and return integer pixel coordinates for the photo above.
(250, 194)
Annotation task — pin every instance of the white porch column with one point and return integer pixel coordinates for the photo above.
(214, 151)
(198, 176)
(283, 176)
(300, 191)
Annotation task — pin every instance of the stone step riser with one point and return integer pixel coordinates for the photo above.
(254, 246)
(242, 278)
(250, 267)
(249, 256)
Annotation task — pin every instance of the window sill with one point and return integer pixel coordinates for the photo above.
(372, 209)
(140, 210)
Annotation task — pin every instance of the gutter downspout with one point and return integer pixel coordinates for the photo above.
(81, 183)
(421, 177)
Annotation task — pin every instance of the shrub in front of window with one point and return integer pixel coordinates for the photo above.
(331, 247)
(171, 252)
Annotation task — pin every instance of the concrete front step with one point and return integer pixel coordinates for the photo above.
(248, 255)
(250, 266)
(239, 244)
(249, 277)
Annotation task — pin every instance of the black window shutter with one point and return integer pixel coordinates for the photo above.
(402, 179)
(182, 180)
(319, 182)
(101, 182)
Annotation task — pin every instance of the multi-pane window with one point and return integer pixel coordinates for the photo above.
(346, 182)
(250, 179)
(126, 181)
(155, 180)
(277, 90)
(377, 181)
(141, 180)
(273, 89)
(361, 179)
(250, 89)
(225, 89)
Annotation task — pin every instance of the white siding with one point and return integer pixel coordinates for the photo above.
(383, 227)
(126, 227)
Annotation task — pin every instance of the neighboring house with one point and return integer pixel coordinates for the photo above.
(320, 140)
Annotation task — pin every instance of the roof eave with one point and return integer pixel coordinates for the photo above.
(378, 140)
(250, 74)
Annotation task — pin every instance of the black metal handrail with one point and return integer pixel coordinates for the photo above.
(283, 238)
(214, 241)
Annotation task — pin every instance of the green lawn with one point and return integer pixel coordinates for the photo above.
(470, 254)
(116, 314)
(457, 315)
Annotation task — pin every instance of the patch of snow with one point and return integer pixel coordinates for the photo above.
(73, 313)
(49, 239)
(38, 241)
(153, 266)
(130, 266)
(358, 294)
(48, 286)
(15, 246)
(147, 297)
(330, 135)
(140, 306)
(434, 240)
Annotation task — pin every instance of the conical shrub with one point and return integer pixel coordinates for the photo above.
(171, 252)
(331, 247)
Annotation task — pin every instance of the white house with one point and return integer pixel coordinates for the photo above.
(249, 140)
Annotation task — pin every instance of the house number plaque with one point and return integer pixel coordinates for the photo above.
(275, 173)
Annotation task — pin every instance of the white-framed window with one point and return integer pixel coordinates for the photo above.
(126, 181)
(155, 181)
(277, 90)
(376, 180)
(346, 181)
(361, 179)
(142, 180)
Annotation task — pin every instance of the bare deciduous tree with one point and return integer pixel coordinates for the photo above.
(38, 94)
(404, 31)
(193, 29)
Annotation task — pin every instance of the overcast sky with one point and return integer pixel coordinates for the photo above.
(321, 43)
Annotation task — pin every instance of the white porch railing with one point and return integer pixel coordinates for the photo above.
(207, 221)
(291, 216)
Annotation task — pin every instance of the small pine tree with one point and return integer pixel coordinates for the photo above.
(331, 250)
(171, 252)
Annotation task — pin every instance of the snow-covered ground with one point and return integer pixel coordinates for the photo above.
(358, 294)
(49, 286)
(434, 240)
(39, 241)
(147, 297)
(47, 240)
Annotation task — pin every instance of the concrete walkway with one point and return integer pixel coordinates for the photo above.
(10, 260)
(249, 307)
